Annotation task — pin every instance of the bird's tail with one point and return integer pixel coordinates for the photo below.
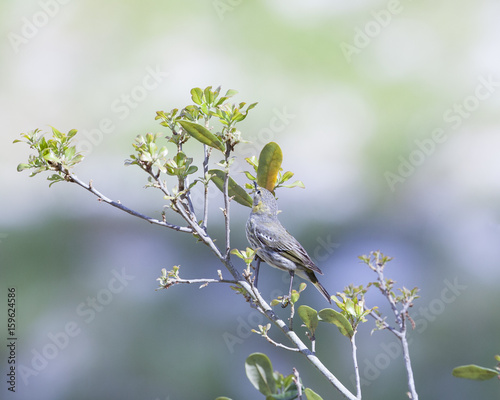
(312, 277)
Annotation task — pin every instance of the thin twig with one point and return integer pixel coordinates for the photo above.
(374, 315)
(203, 281)
(385, 291)
(296, 379)
(400, 316)
(280, 345)
(73, 178)
(187, 196)
(206, 153)
(227, 202)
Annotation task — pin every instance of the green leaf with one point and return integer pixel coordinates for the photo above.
(54, 179)
(299, 184)
(333, 317)
(474, 372)
(309, 316)
(269, 165)
(233, 189)
(69, 153)
(251, 106)
(311, 395)
(209, 95)
(56, 133)
(231, 93)
(197, 95)
(259, 371)
(249, 175)
(286, 176)
(288, 395)
(48, 155)
(295, 297)
(202, 134)
(22, 167)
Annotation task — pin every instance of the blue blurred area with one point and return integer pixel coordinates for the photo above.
(387, 111)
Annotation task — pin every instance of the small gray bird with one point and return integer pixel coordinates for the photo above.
(275, 245)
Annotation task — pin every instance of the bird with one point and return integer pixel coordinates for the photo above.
(275, 245)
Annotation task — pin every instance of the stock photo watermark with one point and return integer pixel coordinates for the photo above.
(224, 6)
(11, 339)
(121, 108)
(31, 26)
(364, 35)
(280, 120)
(453, 118)
(87, 311)
(370, 369)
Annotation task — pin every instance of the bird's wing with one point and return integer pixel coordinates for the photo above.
(284, 243)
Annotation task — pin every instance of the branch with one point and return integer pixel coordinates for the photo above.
(296, 379)
(72, 178)
(385, 291)
(206, 153)
(401, 316)
(280, 345)
(374, 315)
(204, 282)
(227, 201)
(356, 368)
(266, 309)
(194, 227)
(406, 357)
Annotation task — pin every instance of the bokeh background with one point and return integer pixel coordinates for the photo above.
(388, 111)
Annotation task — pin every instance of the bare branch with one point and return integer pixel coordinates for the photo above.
(206, 153)
(72, 178)
(280, 345)
(204, 281)
(227, 202)
(401, 316)
(385, 324)
(356, 368)
(296, 379)
(409, 370)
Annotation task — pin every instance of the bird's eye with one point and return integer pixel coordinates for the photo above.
(258, 191)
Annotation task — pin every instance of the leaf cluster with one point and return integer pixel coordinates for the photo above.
(55, 154)
(284, 300)
(246, 255)
(272, 384)
(352, 312)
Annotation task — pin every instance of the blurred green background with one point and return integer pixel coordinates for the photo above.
(388, 112)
